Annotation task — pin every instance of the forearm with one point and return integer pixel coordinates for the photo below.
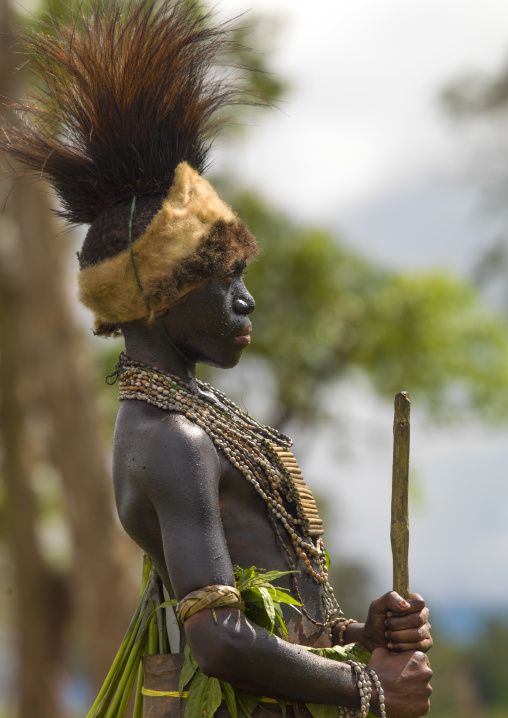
(248, 657)
(352, 634)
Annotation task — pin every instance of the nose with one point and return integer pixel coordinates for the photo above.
(244, 302)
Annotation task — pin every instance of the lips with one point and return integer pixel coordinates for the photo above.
(244, 337)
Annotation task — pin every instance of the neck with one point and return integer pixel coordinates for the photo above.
(152, 346)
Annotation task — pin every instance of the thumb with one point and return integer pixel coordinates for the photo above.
(392, 601)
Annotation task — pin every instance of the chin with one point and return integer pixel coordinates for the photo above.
(224, 354)
(222, 362)
(229, 364)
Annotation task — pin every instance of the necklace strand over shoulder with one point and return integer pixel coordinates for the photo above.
(261, 454)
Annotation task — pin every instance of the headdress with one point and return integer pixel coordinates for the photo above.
(122, 126)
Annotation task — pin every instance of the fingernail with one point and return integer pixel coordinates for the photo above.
(404, 603)
(386, 634)
(389, 614)
(390, 646)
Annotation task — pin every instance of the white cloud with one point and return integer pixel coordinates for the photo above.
(363, 112)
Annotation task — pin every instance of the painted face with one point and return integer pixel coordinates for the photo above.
(211, 325)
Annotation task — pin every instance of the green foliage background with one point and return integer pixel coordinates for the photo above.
(324, 310)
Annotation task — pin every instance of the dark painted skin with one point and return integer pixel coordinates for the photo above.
(196, 515)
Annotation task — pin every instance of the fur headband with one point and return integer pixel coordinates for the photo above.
(194, 235)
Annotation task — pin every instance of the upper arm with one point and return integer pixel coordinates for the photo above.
(174, 464)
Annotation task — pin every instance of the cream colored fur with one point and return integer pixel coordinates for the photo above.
(185, 219)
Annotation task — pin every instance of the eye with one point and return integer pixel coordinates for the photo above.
(237, 270)
(228, 277)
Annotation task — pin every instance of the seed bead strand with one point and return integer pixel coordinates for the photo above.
(249, 446)
(294, 580)
(380, 692)
(366, 679)
(175, 405)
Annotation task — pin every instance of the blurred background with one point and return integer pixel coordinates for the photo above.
(376, 186)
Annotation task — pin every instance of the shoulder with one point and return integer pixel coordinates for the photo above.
(151, 443)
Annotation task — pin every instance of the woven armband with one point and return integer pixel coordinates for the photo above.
(208, 597)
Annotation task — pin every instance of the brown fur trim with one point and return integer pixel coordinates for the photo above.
(193, 236)
(222, 247)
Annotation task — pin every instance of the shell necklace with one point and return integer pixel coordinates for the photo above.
(260, 453)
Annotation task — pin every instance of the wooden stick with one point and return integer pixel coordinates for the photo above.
(399, 532)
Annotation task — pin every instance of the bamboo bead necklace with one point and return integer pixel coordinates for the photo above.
(261, 454)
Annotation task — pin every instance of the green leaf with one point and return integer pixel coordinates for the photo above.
(268, 602)
(282, 706)
(255, 577)
(327, 560)
(147, 566)
(268, 577)
(257, 614)
(280, 619)
(187, 652)
(320, 710)
(334, 653)
(262, 599)
(153, 637)
(352, 652)
(167, 604)
(189, 668)
(252, 595)
(229, 696)
(138, 703)
(357, 652)
(194, 698)
(211, 697)
(282, 597)
(247, 701)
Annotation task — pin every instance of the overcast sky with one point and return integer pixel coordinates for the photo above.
(361, 145)
(361, 142)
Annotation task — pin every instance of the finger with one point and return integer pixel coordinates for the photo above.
(412, 635)
(415, 596)
(416, 605)
(410, 620)
(416, 602)
(422, 645)
(392, 602)
(426, 669)
(420, 657)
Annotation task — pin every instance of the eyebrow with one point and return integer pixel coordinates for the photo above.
(239, 264)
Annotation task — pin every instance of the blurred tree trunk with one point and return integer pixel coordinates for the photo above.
(40, 600)
(66, 382)
(468, 702)
(45, 367)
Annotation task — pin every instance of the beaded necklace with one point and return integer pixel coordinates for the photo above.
(260, 453)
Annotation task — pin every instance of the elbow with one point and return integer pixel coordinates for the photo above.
(217, 647)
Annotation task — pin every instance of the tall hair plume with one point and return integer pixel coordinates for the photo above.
(128, 92)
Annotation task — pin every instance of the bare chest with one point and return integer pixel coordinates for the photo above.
(255, 539)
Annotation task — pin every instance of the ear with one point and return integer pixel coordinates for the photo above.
(160, 313)
(183, 187)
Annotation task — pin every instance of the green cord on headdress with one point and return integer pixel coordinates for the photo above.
(138, 280)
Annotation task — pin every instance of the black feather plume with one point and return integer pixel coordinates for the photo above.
(128, 92)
